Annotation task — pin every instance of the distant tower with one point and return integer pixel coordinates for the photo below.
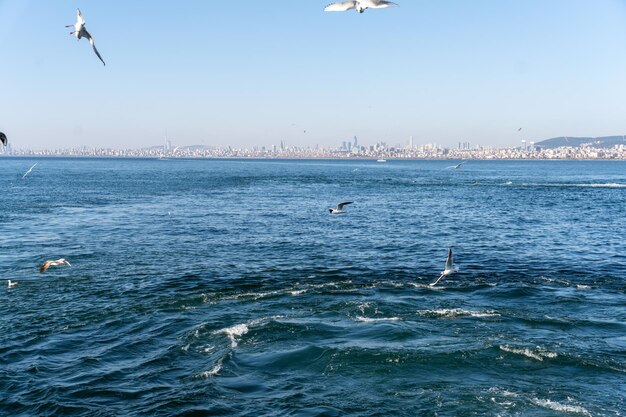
(532, 146)
(356, 142)
(411, 141)
(524, 144)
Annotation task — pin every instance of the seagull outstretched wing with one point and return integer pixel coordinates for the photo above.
(340, 6)
(377, 4)
(449, 261)
(93, 45)
(340, 206)
(79, 17)
(438, 279)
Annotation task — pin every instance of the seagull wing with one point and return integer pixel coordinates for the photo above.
(30, 170)
(377, 4)
(3, 139)
(438, 279)
(44, 267)
(79, 17)
(449, 261)
(340, 206)
(93, 45)
(340, 6)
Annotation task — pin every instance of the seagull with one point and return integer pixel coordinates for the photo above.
(519, 130)
(449, 270)
(339, 209)
(459, 165)
(44, 267)
(359, 5)
(80, 31)
(29, 170)
(11, 284)
(3, 139)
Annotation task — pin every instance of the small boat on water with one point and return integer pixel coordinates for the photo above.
(382, 160)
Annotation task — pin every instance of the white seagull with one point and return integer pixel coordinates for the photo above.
(339, 209)
(358, 5)
(29, 170)
(80, 31)
(11, 284)
(458, 166)
(449, 269)
(44, 267)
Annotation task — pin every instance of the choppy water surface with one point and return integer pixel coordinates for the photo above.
(224, 287)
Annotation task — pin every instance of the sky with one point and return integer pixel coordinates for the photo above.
(244, 73)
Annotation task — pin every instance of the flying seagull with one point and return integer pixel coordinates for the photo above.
(339, 209)
(80, 31)
(44, 267)
(520, 129)
(458, 166)
(449, 270)
(11, 284)
(3, 139)
(359, 5)
(29, 170)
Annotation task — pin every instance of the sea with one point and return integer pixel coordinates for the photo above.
(225, 287)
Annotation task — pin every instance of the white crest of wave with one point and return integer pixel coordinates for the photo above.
(556, 406)
(379, 319)
(607, 185)
(537, 354)
(458, 312)
(234, 332)
(213, 371)
(581, 185)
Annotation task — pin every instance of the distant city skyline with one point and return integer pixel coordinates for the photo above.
(223, 73)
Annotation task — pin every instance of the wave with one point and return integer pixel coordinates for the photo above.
(568, 184)
(293, 291)
(234, 332)
(215, 370)
(556, 406)
(536, 354)
(378, 319)
(457, 312)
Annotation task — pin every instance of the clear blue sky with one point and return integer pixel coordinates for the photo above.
(233, 73)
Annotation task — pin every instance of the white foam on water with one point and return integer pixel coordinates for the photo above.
(213, 371)
(234, 333)
(255, 295)
(556, 406)
(206, 349)
(374, 320)
(503, 392)
(427, 286)
(363, 306)
(537, 354)
(458, 312)
(607, 185)
(297, 292)
(583, 287)
(580, 185)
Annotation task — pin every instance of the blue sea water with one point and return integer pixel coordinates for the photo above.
(212, 287)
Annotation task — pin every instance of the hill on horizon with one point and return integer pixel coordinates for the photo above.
(598, 142)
